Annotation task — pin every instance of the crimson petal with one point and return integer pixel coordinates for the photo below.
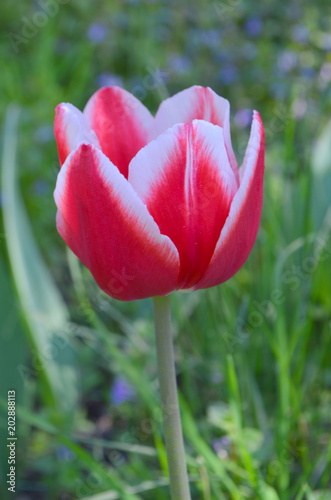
(239, 232)
(196, 103)
(185, 179)
(121, 122)
(108, 227)
(71, 128)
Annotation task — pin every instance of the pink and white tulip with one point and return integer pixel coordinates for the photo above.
(156, 204)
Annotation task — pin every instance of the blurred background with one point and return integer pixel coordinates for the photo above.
(253, 355)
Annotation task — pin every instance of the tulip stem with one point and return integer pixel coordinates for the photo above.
(173, 434)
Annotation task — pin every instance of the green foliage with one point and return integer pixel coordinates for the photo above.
(253, 355)
(44, 311)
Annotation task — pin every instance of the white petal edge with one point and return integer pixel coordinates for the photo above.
(75, 127)
(132, 204)
(148, 165)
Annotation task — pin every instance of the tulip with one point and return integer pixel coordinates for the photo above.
(156, 204)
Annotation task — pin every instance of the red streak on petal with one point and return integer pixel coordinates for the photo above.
(61, 134)
(190, 204)
(117, 119)
(107, 226)
(241, 228)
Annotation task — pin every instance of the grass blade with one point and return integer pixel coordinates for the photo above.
(43, 308)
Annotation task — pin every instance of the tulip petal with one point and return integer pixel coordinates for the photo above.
(199, 103)
(239, 232)
(121, 122)
(185, 179)
(108, 227)
(71, 129)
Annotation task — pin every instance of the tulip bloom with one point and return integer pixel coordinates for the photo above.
(156, 204)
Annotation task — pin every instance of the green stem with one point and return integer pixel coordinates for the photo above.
(284, 421)
(173, 433)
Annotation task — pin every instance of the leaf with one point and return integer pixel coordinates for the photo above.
(12, 353)
(321, 168)
(268, 493)
(42, 306)
(321, 155)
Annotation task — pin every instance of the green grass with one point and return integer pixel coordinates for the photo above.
(254, 354)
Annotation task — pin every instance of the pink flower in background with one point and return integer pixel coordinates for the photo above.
(156, 204)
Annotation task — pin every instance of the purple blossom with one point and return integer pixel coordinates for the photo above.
(326, 42)
(121, 391)
(300, 34)
(109, 80)
(210, 38)
(308, 72)
(243, 118)
(253, 26)
(325, 73)
(97, 33)
(179, 64)
(222, 446)
(287, 60)
(228, 74)
(299, 108)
